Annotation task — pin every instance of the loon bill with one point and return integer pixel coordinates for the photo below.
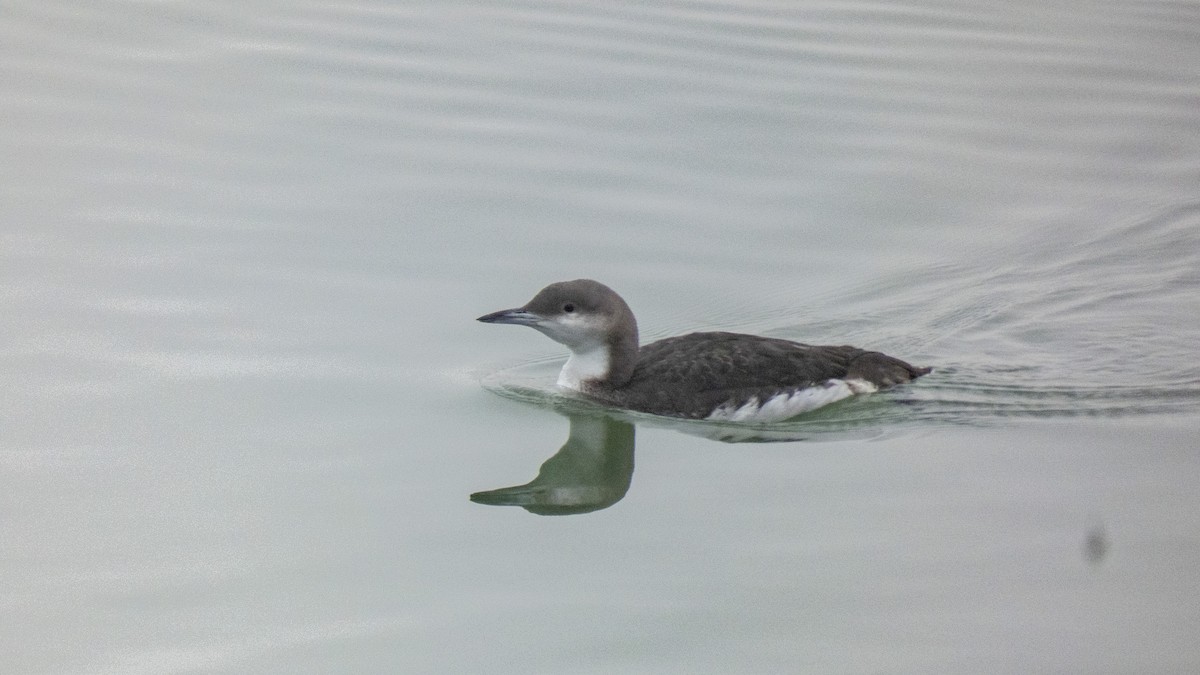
(712, 375)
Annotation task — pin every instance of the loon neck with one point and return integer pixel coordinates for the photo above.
(607, 364)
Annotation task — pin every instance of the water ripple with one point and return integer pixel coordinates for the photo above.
(1102, 327)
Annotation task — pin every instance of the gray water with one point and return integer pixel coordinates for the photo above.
(245, 403)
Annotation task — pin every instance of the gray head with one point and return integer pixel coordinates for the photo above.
(592, 321)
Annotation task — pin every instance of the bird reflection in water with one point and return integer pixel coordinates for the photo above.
(592, 471)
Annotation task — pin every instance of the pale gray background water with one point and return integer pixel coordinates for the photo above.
(244, 399)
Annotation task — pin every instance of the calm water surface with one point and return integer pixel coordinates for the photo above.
(245, 402)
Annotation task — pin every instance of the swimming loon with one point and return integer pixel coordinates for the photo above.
(716, 376)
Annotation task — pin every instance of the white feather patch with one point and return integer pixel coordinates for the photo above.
(583, 366)
(789, 404)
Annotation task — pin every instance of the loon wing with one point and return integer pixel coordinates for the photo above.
(694, 375)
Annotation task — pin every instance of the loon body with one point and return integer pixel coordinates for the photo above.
(713, 375)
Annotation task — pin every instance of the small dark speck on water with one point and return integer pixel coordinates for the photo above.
(1095, 546)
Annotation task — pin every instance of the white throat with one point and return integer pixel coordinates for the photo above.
(584, 365)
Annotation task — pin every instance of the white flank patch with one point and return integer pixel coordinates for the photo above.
(584, 366)
(789, 404)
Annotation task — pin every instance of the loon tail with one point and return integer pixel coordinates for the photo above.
(882, 370)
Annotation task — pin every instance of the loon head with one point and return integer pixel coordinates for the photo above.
(592, 321)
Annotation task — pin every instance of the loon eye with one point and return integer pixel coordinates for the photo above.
(568, 308)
